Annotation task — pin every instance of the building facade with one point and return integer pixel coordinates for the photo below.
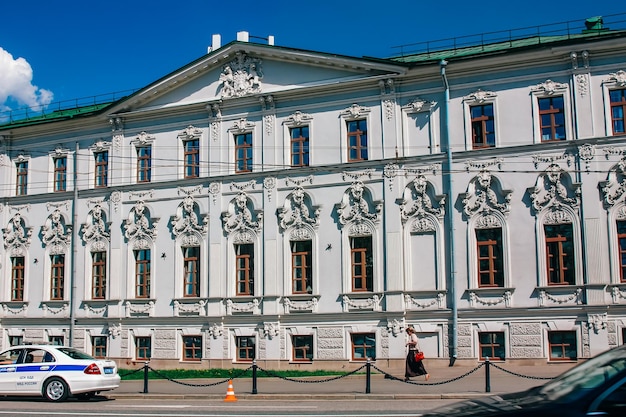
(297, 207)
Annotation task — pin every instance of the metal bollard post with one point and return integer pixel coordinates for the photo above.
(145, 377)
(254, 377)
(487, 375)
(368, 374)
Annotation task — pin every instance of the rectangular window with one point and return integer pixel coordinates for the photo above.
(99, 347)
(363, 346)
(560, 254)
(357, 140)
(60, 174)
(245, 348)
(299, 146)
(57, 277)
(621, 240)
(144, 164)
(562, 345)
(143, 347)
(243, 152)
(142, 273)
(618, 107)
(245, 269)
(17, 278)
(552, 118)
(489, 249)
(302, 346)
(56, 340)
(301, 267)
(483, 126)
(191, 261)
(192, 348)
(362, 265)
(16, 340)
(102, 168)
(192, 158)
(491, 344)
(98, 275)
(22, 178)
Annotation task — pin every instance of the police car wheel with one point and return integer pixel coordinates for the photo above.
(55, 389)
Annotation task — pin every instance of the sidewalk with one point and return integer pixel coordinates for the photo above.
(444, 383)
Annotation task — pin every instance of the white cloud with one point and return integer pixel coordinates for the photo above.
(16, 77)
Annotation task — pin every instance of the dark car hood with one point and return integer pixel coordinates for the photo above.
(495, 405)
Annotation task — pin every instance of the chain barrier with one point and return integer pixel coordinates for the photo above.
(395, 378)
(520, 375)
(308, 381)
(130, 372)
(237, 375)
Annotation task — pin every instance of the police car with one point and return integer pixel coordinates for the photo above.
(55, 372)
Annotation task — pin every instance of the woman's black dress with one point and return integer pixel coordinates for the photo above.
(413, 367)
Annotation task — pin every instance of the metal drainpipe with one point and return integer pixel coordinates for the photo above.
(445, 139)
(73, 249)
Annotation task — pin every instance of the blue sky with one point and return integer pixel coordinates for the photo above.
(65, 50)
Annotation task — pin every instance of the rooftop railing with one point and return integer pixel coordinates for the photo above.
(565, 30)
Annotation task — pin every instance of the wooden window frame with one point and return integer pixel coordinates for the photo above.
(21, 180)
(101, 173)
(57, 277)
(191, 271)
(301, 267)
(18, 264)
(492, 345)
(493, 258)
(98, 275)
(480, 133)
(552, 112)
(299, 146)
(144, 164)
(555, 244)
(142, 273)
(356, 131)
(192, 348)
(191, 158)
(364, 346)
(302, 348)
(361, 259)
(244, 269)
(243, 152)
(621, 247)
(60, 174)
(249, 352)
(143, 350)
(99, 349)
(618, 105)
(563, 345)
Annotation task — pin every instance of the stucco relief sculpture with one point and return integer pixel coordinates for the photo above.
(186, 220)
(417, 202)
(138, 228)
(297, 211)
(550, 190)
(355, 208)
(484, 196)
(16, 236)
(55, 234)
(239, 217)
(615, 187)
(95, 230)
(241, 76)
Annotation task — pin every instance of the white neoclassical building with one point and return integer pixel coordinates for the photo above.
(298, 207)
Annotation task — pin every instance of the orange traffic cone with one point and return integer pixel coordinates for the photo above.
(230, 393)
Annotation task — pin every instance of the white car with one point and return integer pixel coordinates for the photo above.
(55, 372)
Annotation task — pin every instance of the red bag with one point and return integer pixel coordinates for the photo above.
(419, 355)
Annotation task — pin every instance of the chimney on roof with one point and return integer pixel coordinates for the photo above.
(216, 43)
(243, 36)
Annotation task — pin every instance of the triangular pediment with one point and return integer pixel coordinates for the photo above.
(244, 70)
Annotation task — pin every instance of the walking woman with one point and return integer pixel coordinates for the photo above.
(413, 367)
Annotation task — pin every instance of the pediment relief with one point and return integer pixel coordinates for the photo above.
(241, 216)
(554, 189)
(16, 235)
(419, 200)
(298, 211)
(55, 234)
(186, 221)
(358, 207)
(484, 194)
(614, 188)
(139, 226)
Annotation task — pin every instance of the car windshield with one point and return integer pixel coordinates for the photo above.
(74, 353)
(587, 376)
